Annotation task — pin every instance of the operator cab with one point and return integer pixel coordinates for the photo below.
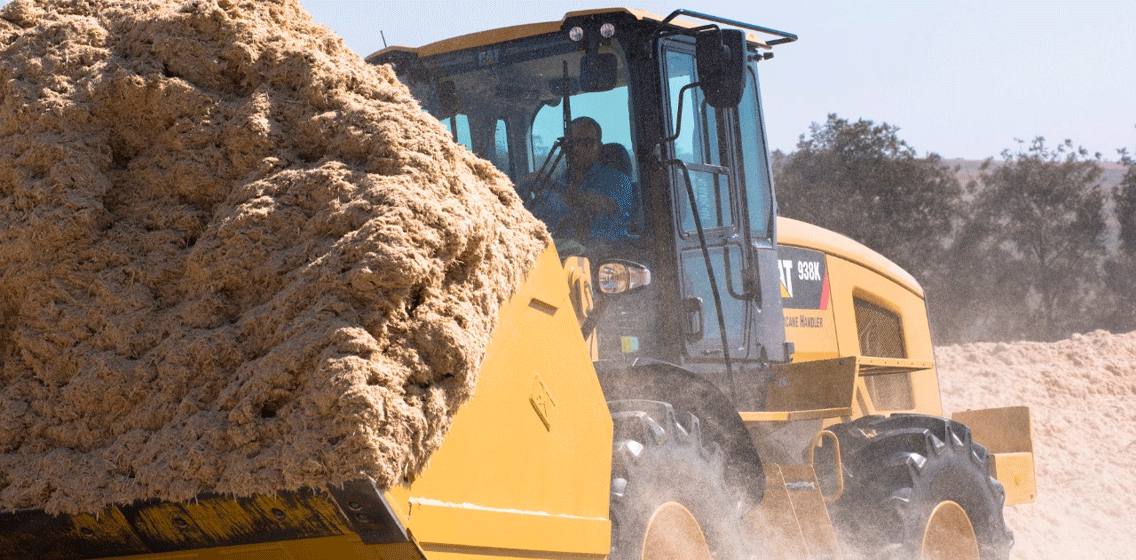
(638, 140)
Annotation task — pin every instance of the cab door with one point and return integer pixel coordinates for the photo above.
(725, 165)
(703, 147)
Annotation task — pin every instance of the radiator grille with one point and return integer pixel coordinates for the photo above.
(881, 335)
(879, 330)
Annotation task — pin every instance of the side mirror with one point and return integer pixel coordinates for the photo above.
(721, 56)
(598, 71)
(617, 277)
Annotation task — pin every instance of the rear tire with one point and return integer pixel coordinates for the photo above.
(669, 498)
(917, 487)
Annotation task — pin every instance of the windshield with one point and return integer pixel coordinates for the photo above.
(567, 150)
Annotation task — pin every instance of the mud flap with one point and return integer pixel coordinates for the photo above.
(1007, 433)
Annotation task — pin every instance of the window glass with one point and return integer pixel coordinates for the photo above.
(680, 72)
(697, 143)
(501, 147)
(711, 196)
(459, 128)
(698, 140)
(608, 108)
(698, 286)
(758, 186)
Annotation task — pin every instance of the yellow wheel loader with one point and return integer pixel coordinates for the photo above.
(682, 375)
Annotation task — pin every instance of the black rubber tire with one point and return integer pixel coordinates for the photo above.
(657, 457)
(897, 469)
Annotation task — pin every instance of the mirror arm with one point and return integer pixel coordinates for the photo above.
(678, 124)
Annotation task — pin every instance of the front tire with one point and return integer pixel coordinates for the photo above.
(669, 498)
(917, 487)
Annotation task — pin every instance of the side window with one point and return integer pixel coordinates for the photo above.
(698, 145)
(483, 135)
(501, 147)
(759, 190)
(459, 128)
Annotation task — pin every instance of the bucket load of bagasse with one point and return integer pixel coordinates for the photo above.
(235, 258)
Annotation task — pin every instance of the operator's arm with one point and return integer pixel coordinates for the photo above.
(605, 197)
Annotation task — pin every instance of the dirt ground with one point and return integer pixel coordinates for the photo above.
(1082, 395)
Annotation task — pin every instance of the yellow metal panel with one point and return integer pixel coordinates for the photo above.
(775, 520)
(801, 234)
(870, 365)
(779, 416)
(494, 36)
(816, 389)
(855, 271)
(527, 462)
(323, 548)
(1016, 473)
(812, 332)
(811, 513)
(1000, 430)
(471, 526)
(849, 280)
(1007, 433)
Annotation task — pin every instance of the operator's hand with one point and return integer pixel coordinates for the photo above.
(596, 203)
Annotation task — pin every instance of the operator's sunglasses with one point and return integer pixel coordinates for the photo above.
(582, 141)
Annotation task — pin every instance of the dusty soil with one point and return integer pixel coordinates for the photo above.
(233, 256)
(1082, 394)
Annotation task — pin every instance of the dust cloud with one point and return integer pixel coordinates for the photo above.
(1082, 396)
(235, 258)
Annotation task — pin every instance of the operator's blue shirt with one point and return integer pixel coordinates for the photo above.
(552, 208)
(610, 182)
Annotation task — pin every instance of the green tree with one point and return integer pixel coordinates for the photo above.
(860, 179)
(1126, 204)
(1038, 221)
(1121, 270)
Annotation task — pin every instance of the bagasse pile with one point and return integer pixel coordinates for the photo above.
(1082, 396)
(234, 257)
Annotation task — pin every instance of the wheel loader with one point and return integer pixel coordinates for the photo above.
(697, 378)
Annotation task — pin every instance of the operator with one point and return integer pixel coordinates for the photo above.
(592, 198)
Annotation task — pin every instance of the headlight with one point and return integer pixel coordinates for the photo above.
(617, 277)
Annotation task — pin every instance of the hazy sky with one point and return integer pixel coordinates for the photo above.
(961, 79)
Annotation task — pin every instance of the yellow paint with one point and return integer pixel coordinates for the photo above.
(513, 473)
(500, 35)
(524, 471)
(1007, 433)
(855, 271)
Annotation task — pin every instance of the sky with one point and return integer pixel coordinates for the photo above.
(963, 79)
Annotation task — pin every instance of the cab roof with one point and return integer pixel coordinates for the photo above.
(494, 36)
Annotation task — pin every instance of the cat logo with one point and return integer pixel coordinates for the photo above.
(804, 278)
(786, 267)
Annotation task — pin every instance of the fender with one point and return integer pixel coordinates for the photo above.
(687, 391)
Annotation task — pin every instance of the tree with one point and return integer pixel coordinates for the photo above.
(1126, 204)
(1121, 270)
(1039, 211)
(860, 179)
